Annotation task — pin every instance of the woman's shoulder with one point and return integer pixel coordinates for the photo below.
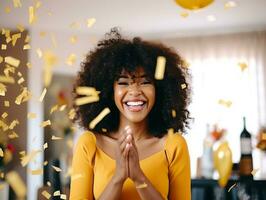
(86, 140)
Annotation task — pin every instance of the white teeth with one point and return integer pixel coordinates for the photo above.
(135, 103)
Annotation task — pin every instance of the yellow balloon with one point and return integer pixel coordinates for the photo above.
(193, 4)
(222, 158)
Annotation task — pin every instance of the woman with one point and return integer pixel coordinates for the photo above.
(133, 152)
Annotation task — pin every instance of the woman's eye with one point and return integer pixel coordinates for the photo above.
(122, 83)
(145, 82)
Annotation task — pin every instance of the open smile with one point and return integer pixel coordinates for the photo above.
(135, 106)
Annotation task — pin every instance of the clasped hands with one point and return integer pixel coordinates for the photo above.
(127, 158)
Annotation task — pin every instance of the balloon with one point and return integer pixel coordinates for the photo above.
(193, 4)
(222, 157)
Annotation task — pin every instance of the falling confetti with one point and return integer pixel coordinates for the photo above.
(36, 172)
(32, 16)
(12, 61)
(31, 115)
(71, 59)
(254, 171)
(184, 14)
(73, 39)
(27, 158)
(46, 194)
(1, 152)
(86, 100)
(243, 66)
(183, 86)
(43, 94)
(230, 4)
(97, 119)
(231, 187)
(45, 123)
(54, 108)
(26, 47)
(91, 22)
(17, 3)
(173, 113)
(160, 68)
(57, 169)
(56, 138)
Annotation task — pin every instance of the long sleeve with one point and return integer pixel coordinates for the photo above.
(179, 170)
(81, 186)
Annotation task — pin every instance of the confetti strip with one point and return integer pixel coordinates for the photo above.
(32, 17)
(57, 169)
(73, 39)
(91, 22)
(57, 193)
(231, 187)
(13, 135)
(45, 123)
(71, 59)
(17, 3)
(43, 94)
(87, 91)
(56, 138)
(97, 119)
(39, 52)
(49, 183)
(2, 89)
(13, 124)
(23, 97)
(254, 171)
(86, 100)
(183, 86)
(45, 163)
(17, 184)
(20, 28)
(76, 176)
(71, 114)
(31, 115)
(26, 159)
(21, 80)
(1, 59)
(46, 194)
(54, 108)
(230, 4)
(63, 107)
(63, 196)
(4, 115)
(184, 14)
(12, 61)
(38, 4)
(243, 66)
(160, 68)
(15, 37)
(1, 152)
(29, 65)
(26, 47)
(36, 172)
(27, 39)
(3, 46)
(173, 113)
(45, 146)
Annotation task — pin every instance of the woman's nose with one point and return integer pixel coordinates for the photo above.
(134, 89)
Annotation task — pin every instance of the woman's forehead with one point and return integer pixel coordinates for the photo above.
(139, 71)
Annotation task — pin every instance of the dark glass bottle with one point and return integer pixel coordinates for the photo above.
(246, 163)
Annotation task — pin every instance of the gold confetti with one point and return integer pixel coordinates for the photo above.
(12, 61)
(15, 37)
(7, 10)
(6, 103)
(38, 4)
(54, 108)
(19, 74)
(91, 22)
(20, 28)
(17, 3)
(56, 138)
(71, 114)
(2, 89)
(39, 52)
(22, 153)
(76, 176)
(160, 68)
(173, 113)
(57, 193)
(1, 152)
(29, 65)
(36, 172)
(42, 34)
(87, 91)
(43, 94)
(86, 100)
(45, 123)
(183, 86)
(243, 66)
(63, 196)
(57, 169)
(73, 39)
(4, 115)
(3, 46)
(1, 59)
(23, 97)
(45, 146)
(31, 115)
(13, 135)
(7, 79)
(254, 171)
(32, 17)
(184, 14)
(45, 163)
(46, 194)
(21, 80)
(104, 130)
(230, 4)
(225, 103)
(231, 187)
(3, 125)
(26, 47)
(27, 158)
(71, 59)
(63, 107)
(49, 183)
(13, 124)
(17, 184)
(97, 119)
(27, 39)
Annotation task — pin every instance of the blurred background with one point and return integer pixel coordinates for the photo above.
(42, 44)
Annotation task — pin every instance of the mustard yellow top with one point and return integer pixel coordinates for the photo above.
(168, 170)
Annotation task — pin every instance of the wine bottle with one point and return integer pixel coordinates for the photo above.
(246, 163)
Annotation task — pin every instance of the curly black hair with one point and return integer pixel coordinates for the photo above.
(104, 64)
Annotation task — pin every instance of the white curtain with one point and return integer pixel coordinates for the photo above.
(216, 76)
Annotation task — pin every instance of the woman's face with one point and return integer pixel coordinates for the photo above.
(134, 95)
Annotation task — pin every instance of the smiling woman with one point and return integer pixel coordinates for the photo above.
(121, 156)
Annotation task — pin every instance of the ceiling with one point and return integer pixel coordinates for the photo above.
(147, 18)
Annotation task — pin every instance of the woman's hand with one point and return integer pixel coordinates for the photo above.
(121, 154)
